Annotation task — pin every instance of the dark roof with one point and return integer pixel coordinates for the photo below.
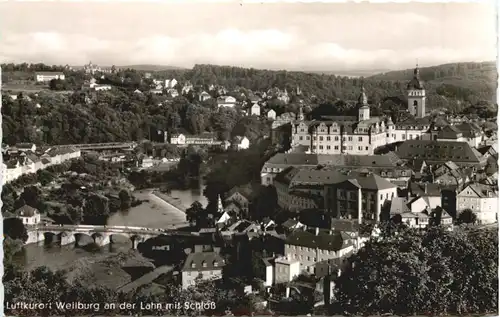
(24, 145)
(346, 160)
(325, 176)
(449, 132)
(291, 159)
(49, 73)
(438, 151)
(415, 82)
(322, 241)
(425, 189)
(26, 211)
(196, 261)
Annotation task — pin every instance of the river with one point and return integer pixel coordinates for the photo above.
(154, 213)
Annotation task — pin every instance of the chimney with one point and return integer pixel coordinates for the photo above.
(317, 230)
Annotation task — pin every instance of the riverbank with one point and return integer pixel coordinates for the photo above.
(176, 203)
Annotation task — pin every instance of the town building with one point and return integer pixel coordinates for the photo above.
(206, 138)
(361, 196)
(201, 266)
(271, 114)
(41, 77)
(240, 143)
(389, 164)
(310, 248)
(170, 83)
(204, 96)
(255, 110)
(226, 101)
(286, 269)
(482, 200)
(435, 152)
(28, 215)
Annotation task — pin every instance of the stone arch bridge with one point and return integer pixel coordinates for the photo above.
(101, 235)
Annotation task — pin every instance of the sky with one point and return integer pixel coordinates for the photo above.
(293, 36)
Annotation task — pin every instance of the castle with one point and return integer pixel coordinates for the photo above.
(361, 135)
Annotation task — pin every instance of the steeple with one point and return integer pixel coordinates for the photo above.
(362, 99)
(416, 95)
(220, 208)
(415, 83)
(364, 109)
(301, 113)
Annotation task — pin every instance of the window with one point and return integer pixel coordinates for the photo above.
(360, 148)
(328, 138)
(300, 138)
(321, 147)
(336, 147)
(314, 138)
(350, 148)
(308, 138)
(366, 148)
(404, 137)
(387, 135)
(403, 173)
(336, 138)
(360, 138)
(350, 138)
(321, 138)
(328, 147)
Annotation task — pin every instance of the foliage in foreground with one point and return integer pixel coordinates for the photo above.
(434, 272)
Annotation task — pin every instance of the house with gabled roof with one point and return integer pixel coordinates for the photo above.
(482, 199)
(309, 248)
(201, 266)
(28, 215)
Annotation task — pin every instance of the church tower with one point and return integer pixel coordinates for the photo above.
(300, 117)
(416, 95)
(364, 108)
(220, 208)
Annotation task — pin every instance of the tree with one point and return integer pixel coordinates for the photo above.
(196, 214)
(15, 229)
(467, 216)
(442, 272)
(45, 177)
(125, 199)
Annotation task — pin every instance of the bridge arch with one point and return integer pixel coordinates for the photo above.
(112, 236)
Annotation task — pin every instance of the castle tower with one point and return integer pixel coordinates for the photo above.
(364, 110)
(416, 95)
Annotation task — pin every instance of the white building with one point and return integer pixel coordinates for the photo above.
(310, 248)
(482, 200)
(271, 114)
(178, 139)
(102, 87)
(241, 143)
(226, 101)
(361, 135)
(203, 266)
(204, 96)
(48, 76)
(285, 269)
(170, 83)
(28, 215)
(255, 110)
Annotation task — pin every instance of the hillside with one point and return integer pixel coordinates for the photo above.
(473, 76)
(150, 68)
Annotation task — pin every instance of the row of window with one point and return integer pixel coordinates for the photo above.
(306, 249)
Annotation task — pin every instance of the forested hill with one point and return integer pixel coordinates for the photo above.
(452, 86)
(479, 78)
